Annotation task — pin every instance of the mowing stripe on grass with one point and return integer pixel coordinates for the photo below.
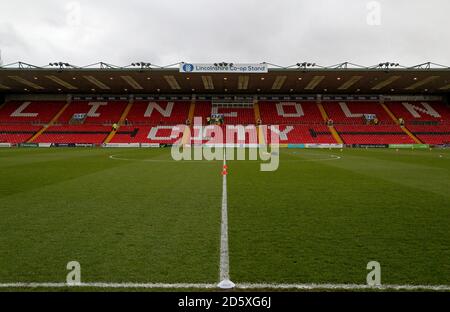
(224, 276)
(243, 286)
(117, 157)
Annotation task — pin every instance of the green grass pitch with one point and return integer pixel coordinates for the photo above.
(144, 218)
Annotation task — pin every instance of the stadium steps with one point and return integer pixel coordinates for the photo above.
(54, 119)
(121, 120)
(261, 139)
(391, 114)
(191, 111)
(190, 118)
(331, 128)
(257, 112)
(412, 136)
(394, 118)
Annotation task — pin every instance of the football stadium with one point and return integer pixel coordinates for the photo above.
(90, 180)
(287, 148)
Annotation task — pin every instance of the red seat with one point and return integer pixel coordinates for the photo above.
(289, 113)
(36, 112)
(74, 134)
(352, 112)
(436, 134)
(148, 134)
(158, 112)
(225, 134)
(99, 112)
(232, 116)
(154, 121)
(17, 133)
(420, 111)
(371, 134)
(301, 134)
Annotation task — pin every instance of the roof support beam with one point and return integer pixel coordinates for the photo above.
(421, 82)
(133, 83)
(61, 82)
(96, 82)
(26, 82)
(446, 87)
(314, 82)
(173, 83)
(243, 82)
(208, 82)
(385, 83)
(350, 82)
(279, 82)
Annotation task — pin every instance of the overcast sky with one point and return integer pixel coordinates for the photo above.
(276, 31)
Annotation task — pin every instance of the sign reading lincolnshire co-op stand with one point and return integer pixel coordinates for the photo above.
(229, 68)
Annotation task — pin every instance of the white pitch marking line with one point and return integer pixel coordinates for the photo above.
(311, 286)
(224, 275)
(109, 285)
(314, 286)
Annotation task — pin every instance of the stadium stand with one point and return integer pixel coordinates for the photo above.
(420, 111)
(158, 112)
(282, 113)
(17, 133)
(152, 121)
(29, 112)
(202, 109)
(232, 134)
(428, 121)
(148, 134)
(232, 115)
(64, 134)
(166, 134)
(297, 134)
(373, 134)
(353, 112)
(97, 112)
(432, 134)
(21, 120)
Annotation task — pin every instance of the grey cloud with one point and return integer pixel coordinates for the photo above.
(282, 32)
